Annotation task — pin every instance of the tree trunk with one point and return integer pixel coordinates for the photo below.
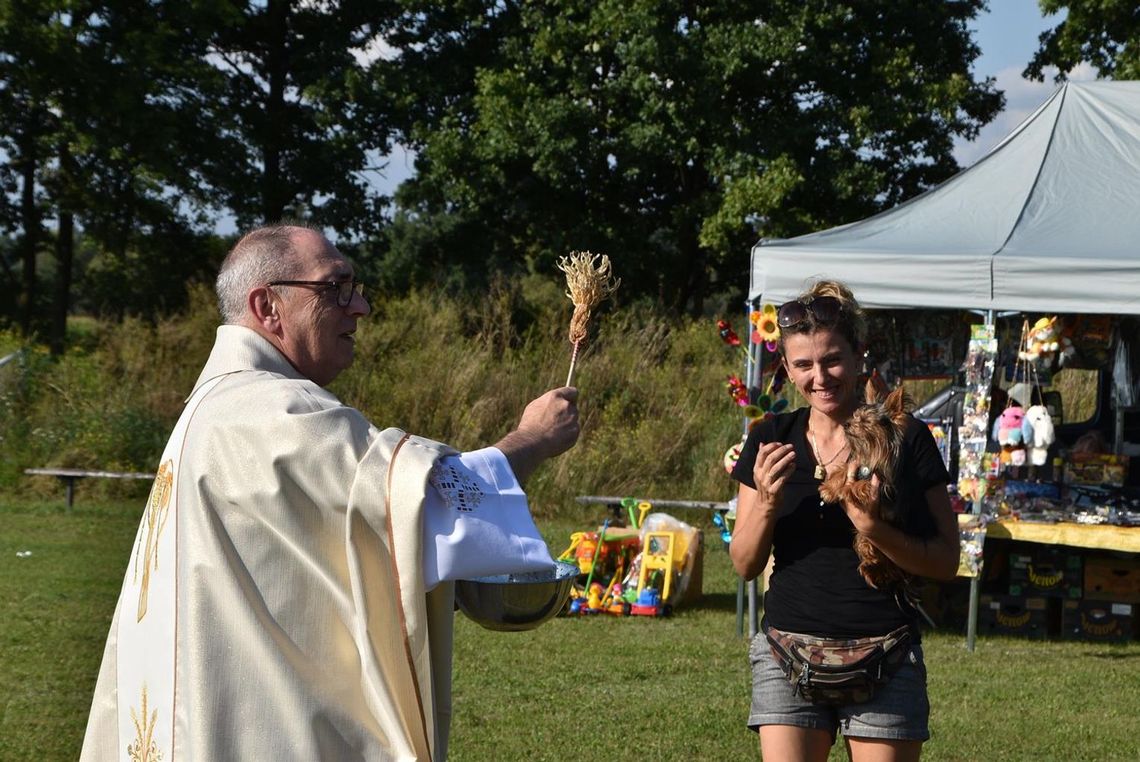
(30, 220)
(65, 255)
(272, 195)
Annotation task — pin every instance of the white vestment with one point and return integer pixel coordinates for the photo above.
(279, 603)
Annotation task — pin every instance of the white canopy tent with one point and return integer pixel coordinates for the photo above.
(1048, 221)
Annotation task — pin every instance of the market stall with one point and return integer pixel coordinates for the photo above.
(1044, 227)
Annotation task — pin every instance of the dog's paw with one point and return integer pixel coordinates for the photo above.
(832, 491)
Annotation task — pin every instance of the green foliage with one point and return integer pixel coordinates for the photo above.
(655, 418)
(292, 110)
(55, 608)
(108, 403)
(1105, 33)
(668, 134)
(671, 133)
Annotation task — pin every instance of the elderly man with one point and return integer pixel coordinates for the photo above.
(288, 595)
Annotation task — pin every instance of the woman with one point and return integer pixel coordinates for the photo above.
(815, 588)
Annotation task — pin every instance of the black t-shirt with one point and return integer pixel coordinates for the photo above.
(815, 586)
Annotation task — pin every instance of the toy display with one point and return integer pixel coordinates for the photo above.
(1086, 341)
(1007, 433)
(643, 569)
(973, 432)
(972, 539)
(1037, 433)
(766, 328)
(729, 337)
(1041, 341)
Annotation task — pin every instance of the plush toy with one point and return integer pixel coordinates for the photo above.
(1042, 340)
(1037, 432)
(1007, 433)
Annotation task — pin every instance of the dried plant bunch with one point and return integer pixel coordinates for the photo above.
(589, 280)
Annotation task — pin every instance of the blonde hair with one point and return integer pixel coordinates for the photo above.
(850, 323)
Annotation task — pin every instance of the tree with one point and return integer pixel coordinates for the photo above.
(88, 126)
(669, 134)
(294, 121)
(1106, 33)
(128, 123)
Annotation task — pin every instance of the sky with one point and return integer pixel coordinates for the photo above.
(1007, 35)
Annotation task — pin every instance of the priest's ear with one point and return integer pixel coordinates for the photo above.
(264, 308)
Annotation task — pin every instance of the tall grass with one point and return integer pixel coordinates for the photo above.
(655, 416)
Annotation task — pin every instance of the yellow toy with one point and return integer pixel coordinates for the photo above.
(657, 553)
(594, 597)
(1040, 341)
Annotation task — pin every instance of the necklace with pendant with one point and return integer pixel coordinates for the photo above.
(820, 472)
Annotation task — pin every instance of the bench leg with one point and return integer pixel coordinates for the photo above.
(70, 482)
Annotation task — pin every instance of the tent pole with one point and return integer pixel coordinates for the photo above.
(975, 581)
(753, 373)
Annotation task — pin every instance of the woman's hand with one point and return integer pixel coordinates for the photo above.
(863, 509)
(935, 557)
(756, 509)
(774, 463)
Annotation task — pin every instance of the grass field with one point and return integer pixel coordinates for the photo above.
(581, 688)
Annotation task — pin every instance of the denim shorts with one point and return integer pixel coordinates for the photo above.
(899, 710)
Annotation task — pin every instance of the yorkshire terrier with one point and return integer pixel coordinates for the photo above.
(875, 434)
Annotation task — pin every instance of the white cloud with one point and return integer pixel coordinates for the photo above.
(376, 48)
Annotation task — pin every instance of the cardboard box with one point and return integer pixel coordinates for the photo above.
(1096, 469)
(1046, 570)
(946, 603)
(1024, 617)
(1097, 620)
(1112, 578)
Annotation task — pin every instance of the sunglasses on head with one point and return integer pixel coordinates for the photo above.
(825, 309)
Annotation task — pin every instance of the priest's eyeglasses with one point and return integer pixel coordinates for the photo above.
(344, 288)
(825, 309)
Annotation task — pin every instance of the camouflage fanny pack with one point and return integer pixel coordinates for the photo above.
(827, 671)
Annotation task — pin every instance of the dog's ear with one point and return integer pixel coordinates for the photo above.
(897, 403)
(870, 393)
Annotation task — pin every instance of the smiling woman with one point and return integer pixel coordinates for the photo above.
(817, 601)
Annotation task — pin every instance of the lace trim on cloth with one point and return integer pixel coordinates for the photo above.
(458, 489)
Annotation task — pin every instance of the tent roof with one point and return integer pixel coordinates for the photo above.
(1048, 221)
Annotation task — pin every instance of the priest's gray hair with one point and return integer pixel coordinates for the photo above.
(261, 256)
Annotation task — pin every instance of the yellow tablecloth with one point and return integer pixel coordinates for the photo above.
(1100, 536)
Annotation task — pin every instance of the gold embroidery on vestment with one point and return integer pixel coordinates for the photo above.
(157, 508)
(144, 749)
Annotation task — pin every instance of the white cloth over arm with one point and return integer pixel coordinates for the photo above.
(477, 521)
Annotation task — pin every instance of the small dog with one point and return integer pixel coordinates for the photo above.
(875, 434)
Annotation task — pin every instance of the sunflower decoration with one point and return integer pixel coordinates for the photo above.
(766, 330)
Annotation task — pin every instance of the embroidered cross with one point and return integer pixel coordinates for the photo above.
(456, 487)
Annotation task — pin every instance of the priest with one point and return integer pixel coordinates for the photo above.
(289, 593)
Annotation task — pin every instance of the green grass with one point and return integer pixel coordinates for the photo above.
(55, 609)
(583, 688)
